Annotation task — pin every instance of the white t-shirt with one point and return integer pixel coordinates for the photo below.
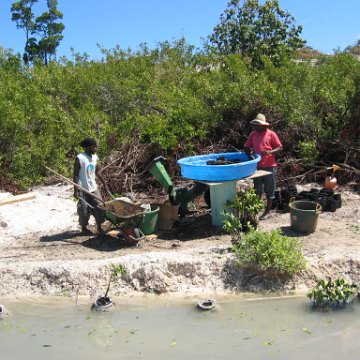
(87, 171)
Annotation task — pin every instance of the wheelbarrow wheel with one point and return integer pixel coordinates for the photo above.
(131, 232)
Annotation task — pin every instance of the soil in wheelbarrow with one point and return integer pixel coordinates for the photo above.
(122, 209)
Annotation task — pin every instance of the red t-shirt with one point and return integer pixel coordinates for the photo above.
(261, 141)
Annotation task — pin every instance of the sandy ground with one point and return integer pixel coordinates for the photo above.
(43, 253)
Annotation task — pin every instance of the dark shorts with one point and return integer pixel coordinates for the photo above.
(84, 210)
(266, 184)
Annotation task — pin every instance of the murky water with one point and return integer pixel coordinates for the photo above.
(249, 329)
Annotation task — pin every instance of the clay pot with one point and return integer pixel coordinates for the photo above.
(330, 182)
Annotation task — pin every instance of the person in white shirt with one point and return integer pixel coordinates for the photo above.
(86, 169)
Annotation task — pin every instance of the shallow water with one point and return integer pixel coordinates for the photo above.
(283, 328)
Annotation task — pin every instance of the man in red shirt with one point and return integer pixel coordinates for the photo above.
(265, 143)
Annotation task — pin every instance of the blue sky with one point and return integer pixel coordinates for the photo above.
(327, 24)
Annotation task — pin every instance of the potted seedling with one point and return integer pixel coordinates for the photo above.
(103, 303)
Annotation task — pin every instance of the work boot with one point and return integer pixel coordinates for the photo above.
(85, 230)
(100, 231)
(264, 216)
(266, 213)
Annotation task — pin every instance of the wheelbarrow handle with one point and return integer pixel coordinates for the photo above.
(110, 193)
(85, 202)
(76, 185)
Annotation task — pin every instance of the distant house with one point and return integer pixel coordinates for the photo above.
(308, 54)
(354, 50)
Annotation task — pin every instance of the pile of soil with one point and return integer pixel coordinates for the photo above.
(122, 208)
(43, 252)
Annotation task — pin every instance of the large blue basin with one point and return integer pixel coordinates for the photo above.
(195, 167)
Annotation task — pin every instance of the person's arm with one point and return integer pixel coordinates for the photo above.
(249, 151)
(76, 176)
(275, 144)
(273, 151)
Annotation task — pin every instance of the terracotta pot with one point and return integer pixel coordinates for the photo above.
(330, 182)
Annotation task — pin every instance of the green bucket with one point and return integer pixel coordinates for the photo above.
(304, 216)
(149, 220)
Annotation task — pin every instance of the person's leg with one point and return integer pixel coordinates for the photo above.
(269, 189)
(258, 186)
(268, 207)
(97, 212)
(83, 213)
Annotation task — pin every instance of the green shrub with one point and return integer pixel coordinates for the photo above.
(172, 97)
(243, 211)
(308, 151)
(270, 252)
(335, 294)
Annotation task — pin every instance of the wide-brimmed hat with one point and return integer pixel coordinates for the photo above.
(260, 120)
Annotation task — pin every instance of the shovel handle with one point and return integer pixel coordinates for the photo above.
(76, 185)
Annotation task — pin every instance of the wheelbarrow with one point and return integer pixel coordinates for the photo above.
(120, 212)
(135, 220)
(117, 211)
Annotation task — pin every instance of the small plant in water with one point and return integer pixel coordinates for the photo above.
(104, 302)
(332, 293)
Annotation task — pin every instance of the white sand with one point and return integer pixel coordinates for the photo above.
(52, 210)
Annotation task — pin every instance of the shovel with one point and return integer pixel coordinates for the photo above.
(76, 185)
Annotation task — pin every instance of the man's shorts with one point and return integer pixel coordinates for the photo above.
(266, 184)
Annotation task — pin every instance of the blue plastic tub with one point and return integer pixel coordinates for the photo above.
(195, 167)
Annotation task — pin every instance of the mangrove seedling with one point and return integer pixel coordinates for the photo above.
(332, 293)
(103, 303)
(242, 212)
(118, 270)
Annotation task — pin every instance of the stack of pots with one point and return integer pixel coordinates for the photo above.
(331, 200)
(328, 199)
(283, 197)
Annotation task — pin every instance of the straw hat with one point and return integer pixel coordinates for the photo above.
(260, 120)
